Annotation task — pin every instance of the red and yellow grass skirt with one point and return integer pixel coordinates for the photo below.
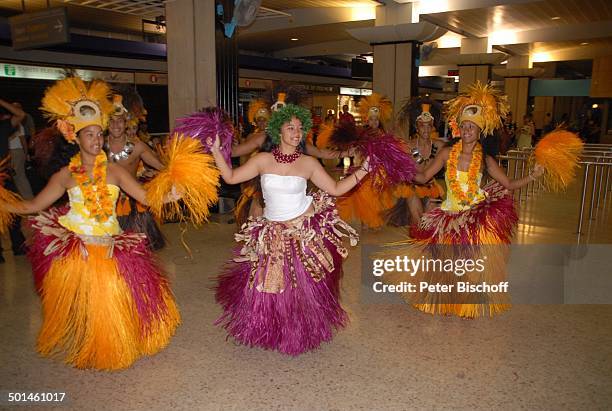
(365, 203)
(105, 299)
(484, 230)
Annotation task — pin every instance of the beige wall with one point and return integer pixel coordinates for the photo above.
(327, 101)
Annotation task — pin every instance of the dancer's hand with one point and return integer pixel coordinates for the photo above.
(537, 172)
(173, 195)
(215, 144)
(366, 164)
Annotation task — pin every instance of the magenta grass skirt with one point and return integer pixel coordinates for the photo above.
(281, 291)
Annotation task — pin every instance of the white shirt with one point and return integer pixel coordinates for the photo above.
(14, 140)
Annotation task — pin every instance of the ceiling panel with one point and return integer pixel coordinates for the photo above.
(281, 39)
(299, 4)
(525, 16)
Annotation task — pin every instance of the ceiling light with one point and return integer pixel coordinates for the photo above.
(294, 39)
(584, 43)
(540, 57)
(504, 62)
(555, 18)
(595, 105)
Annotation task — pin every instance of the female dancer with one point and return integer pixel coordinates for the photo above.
(105, 299)
(366, 203)
(413, 198)
(473, 220)
(282, 290)
(250, 203)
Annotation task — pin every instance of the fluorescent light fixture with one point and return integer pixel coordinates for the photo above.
(294, 39)
(363, 13)
(540, 57)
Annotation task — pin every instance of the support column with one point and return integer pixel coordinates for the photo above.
(191, 56)
(395, 71)
(475, 61)
(518, 74)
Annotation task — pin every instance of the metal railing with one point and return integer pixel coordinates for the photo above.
(595, 157)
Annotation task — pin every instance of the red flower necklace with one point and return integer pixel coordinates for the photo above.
(285, 158)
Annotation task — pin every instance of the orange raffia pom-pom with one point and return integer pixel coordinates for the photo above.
(8, 199)
(97, 198)
(464, 197)
(192, 173)
(558, 152)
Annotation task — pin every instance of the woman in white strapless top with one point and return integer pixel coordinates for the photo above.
(282, 292)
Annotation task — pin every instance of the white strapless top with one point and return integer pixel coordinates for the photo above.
(284, 196)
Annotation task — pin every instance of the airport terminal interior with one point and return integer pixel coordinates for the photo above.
(195, 195)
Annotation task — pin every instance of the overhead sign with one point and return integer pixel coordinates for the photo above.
(349, 91)
(31, 72)
(42, 28)
(56, 73)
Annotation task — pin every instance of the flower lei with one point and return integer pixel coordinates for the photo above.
(465, 198)
(97, 198)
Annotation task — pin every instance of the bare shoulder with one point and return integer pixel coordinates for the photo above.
(439, 143)
(139, 146)
(445, 151)
(309, 161)
(63, 176)
(259, 137)
(115, 170)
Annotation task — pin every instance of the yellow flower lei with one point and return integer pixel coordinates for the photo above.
(97, 198)
(465, 198)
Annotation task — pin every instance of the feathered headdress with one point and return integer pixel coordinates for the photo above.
(75, 105)
(421, 109)
(258, 109)
(482, 105)
(132, 102)
(286, 94)
(377, 106)
(118, 107)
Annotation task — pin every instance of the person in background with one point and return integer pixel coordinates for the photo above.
(10, 118)
(526, 133)
(18, 150)
(27, 123)
(345, 116)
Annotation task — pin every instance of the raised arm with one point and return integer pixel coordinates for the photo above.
(433, 167)
(235, 175)
(148, 156)
(325, 153)
(53, 191)
(325, 182)
(252, 143)
(500, 176)
(18, 114)
(128, 183)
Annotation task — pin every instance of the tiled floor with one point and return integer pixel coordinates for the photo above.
(390, 357)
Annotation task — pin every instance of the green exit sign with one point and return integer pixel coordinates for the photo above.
(10, 71)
